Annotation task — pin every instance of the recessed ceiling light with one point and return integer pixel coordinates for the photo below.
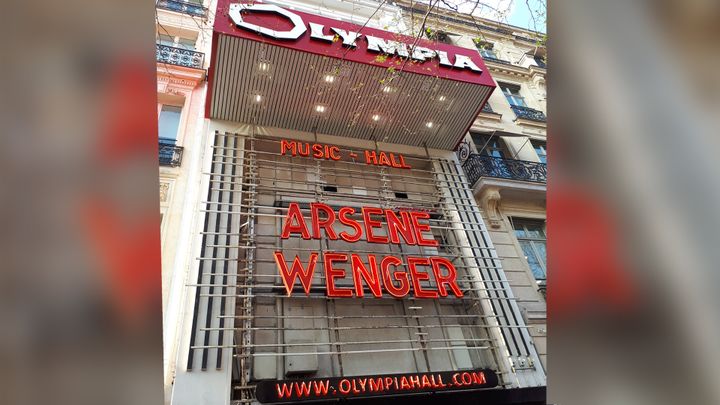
(376, 117)
(264, 66)
(429, 124)
(329, 78)
(258, 98)
(320, 108)
(387, 89)
(441, 98)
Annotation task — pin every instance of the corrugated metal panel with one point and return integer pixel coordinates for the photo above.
(294, 85)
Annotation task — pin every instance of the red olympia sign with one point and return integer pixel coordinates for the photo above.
(379, 274)
(349, 38)
(368, 386)
(346, 41)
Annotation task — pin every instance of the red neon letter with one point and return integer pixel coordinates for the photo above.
(371, 223)
(370, 276)
(450, 279)
(405, 227)
(331, 274)
(294, 214)
(344, 215)
(297, 271)
(417, 276)
(400, 276)
(334, 153)
(285, 145)
(302, 152)
(419, 228)
(317, 151)
(370, 157)
(326, 223)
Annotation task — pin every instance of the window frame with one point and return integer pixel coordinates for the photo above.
(488, 150)
(167, 140)
(523, 222)
(489, 47)
(512, 94)
(542, 145)
(176, 41)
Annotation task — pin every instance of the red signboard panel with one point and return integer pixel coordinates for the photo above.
(333, 38)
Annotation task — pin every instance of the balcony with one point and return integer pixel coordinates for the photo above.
(179, 56)
(169, 153)
(496, 60)
(183, 6)
(540, 61)
(477, 166)
(528, 113)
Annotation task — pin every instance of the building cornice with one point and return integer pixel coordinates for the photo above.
(464, 22)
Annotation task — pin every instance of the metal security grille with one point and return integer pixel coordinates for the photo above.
(240, 293)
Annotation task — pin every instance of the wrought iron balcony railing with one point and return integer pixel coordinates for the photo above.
(179, 56)
(477, 166)
(183, 6)
(540, 62)
(496, 60)
(528, 113)
(170, 154)
(542, 288)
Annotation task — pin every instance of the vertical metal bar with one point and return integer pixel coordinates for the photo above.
(201, 266)
(208, 312)
(221, 335)
(250, 256)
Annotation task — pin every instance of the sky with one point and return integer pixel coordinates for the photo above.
(514, 12)
(521, 16)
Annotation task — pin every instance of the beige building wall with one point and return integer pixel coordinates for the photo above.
(501, 200)
(187, 88)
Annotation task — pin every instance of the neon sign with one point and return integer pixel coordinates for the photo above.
(378, 274)
(269, 391)
(331, 152)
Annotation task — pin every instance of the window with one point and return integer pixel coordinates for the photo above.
(177, 42)
(166, 40)
(437, 35)
(540, 149)
(168, 123)
(186, 43)
(531, 236)
(540, 60)
(512, 94)
(493, 145)
(486, 49)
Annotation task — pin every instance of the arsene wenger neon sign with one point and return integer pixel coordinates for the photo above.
(378, 274)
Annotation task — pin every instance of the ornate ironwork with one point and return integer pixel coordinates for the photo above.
(169, 153)
(179, 56)
(528, 113)
(496, 60)
(477, 166)
(463, 151)
(183, 6)
(487, 109)
(542, 288)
